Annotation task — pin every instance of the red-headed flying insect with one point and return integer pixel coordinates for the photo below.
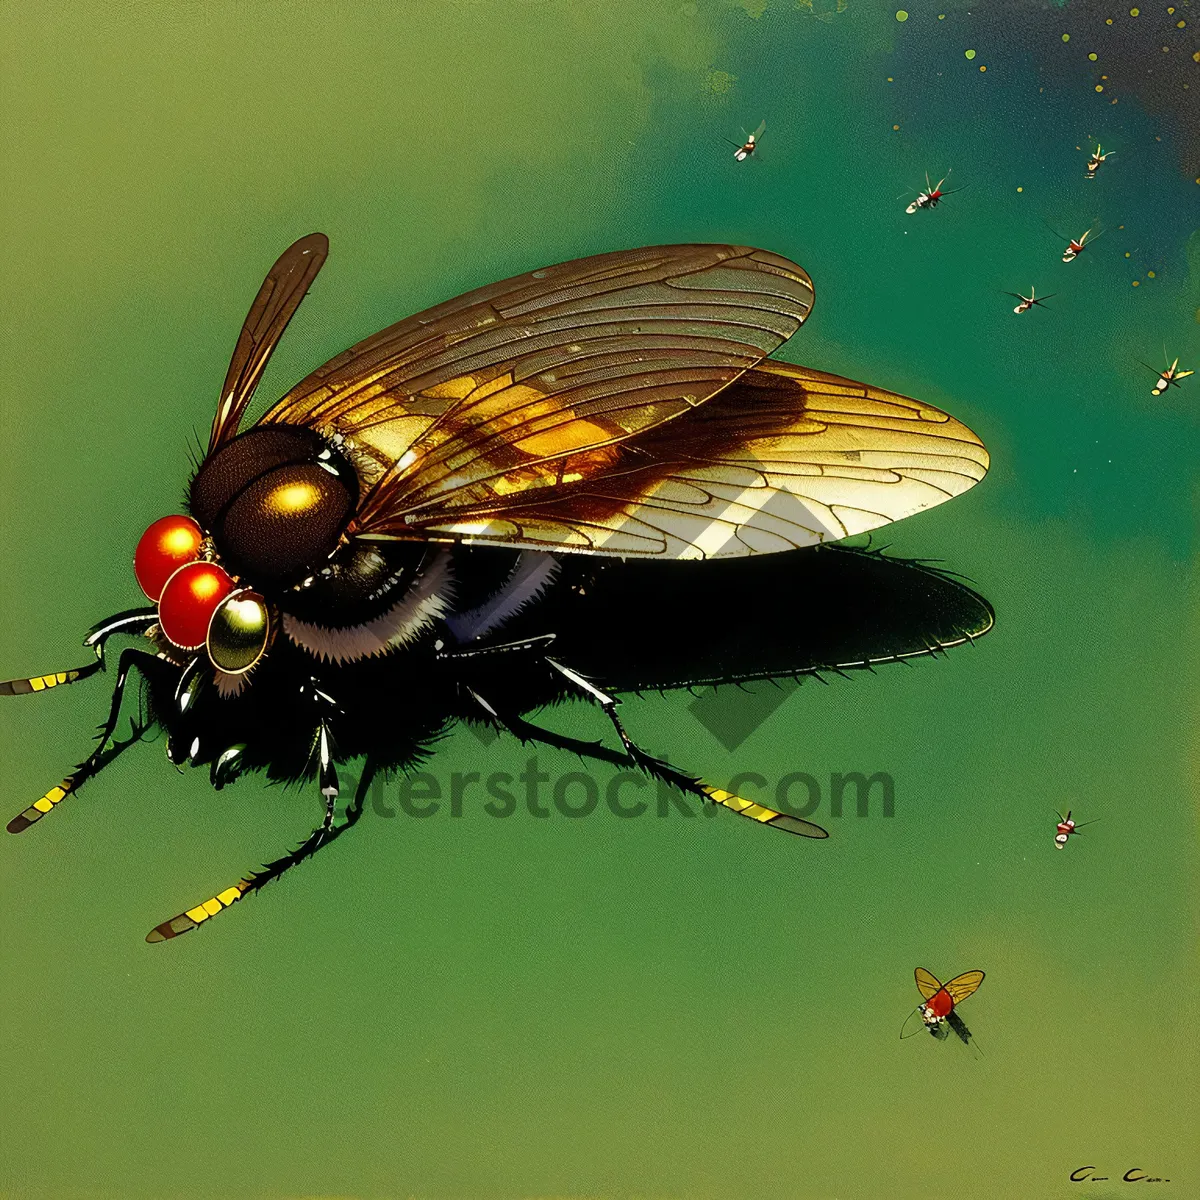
(1167, 378)
(398, 542)
(743, 150)
(940, 1000)
(1027, 302)
(1096, 161)
(1075, 246)
(1066, 827)
(932, 196)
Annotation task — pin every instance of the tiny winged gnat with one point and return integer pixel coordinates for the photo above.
(1066, 827)
(1028, 302)
(1075, 246)
(1096, 160)
(932, 196)
(937, 1010)
(743, 150)
(1167, 378)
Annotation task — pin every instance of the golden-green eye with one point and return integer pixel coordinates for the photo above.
(239, 632)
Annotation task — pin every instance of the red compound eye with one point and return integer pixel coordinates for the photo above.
(189, 600)
(165, 547)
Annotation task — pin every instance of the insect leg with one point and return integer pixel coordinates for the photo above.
(656, 768)
(99, 758)
(541, 642)
(323, 835)
(134, 621)
(528, 732)
(39, 683)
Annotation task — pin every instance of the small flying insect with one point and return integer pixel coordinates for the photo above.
(743, 150)
(1168, 378)
(938, 1010)
(1075, 246)
(376, 556)
(932, 196)
(1027, 302)
(1095, 161)
(1066, 827)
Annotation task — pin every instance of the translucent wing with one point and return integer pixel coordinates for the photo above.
(759, 131)
(785, 457)
(521, 384)
(927, 983)
(285, 286)
(962, 986)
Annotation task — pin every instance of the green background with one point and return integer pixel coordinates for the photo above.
(600, 1008)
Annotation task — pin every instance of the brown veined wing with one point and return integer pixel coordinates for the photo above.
(927, 983)
(964, 985)
(784, 457)
(531, 383)
(285, 286)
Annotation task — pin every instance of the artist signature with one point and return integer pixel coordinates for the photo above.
(1133, 1175)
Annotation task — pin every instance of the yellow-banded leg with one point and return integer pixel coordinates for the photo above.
(654, 767)
(99, 757)
(39, 683)
(658, 769)
(136, 620)
(68, 785)
(323, 835)
(762, 814)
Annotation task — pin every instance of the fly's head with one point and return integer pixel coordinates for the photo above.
(268, 509)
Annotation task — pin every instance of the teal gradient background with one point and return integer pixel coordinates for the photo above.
(666, 1008)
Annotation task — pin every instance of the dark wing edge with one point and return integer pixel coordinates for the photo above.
(285, 286)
